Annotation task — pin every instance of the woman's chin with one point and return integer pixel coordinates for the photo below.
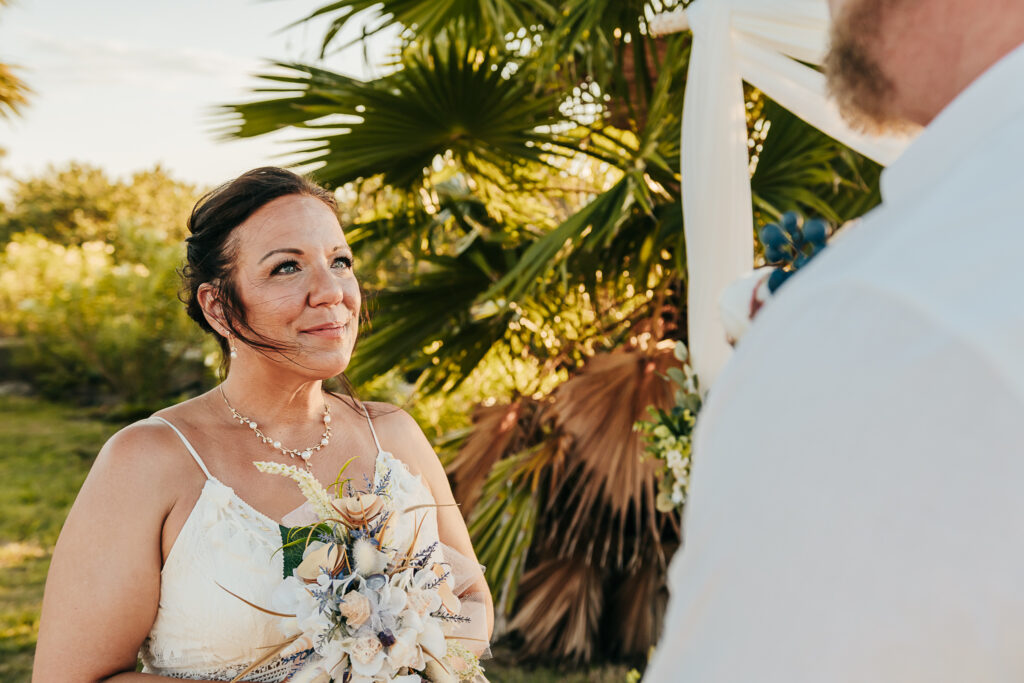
(326, 366)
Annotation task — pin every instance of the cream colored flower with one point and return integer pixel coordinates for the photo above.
(327, 555)
(436, 673)
(365, 649)
(423, 602)
(358, 511)
(405, 652)
(356, 609)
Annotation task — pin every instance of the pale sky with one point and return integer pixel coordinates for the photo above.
(125, 84)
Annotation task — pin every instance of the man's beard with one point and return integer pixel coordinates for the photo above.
(855, 78)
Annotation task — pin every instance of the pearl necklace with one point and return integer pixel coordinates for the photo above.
(305, 454)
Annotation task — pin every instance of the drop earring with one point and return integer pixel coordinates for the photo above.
(231, 345)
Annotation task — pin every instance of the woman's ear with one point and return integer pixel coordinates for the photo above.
(209, 300)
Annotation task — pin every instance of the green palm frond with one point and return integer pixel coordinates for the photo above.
(800, 168)
(448, 98)
(436, 307)
(458, 217)
(503, 523)
(13, 92)
(488, 20)
(601, 216)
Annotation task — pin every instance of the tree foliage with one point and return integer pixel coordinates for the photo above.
(89, 284)
(13, 91)
(79, 203)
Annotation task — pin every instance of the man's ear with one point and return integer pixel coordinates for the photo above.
(208, 296)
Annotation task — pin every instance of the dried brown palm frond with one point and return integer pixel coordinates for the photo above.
(636, 607)
(560, 610)
(498, 432)
(608, 485)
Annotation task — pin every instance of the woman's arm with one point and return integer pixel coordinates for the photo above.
(103, 586)
(451, 526)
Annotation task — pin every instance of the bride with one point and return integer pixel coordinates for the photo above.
(173, 505)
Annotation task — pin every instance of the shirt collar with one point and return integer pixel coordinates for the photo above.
(984, 105)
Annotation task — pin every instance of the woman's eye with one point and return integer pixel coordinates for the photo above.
(286, 267)
(289, 267)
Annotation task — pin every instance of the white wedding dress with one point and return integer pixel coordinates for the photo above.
(201, 630)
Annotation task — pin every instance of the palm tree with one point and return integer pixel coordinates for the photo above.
(530, 153)
(13, 91)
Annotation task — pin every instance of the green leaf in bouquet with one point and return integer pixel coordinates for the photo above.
(293, 544)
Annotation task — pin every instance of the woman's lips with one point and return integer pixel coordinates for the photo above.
(330, 332)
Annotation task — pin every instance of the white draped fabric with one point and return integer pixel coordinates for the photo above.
(757, 41)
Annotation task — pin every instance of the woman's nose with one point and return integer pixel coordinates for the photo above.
(325, 287)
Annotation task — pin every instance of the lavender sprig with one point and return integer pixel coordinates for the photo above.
(448, 616)
(438, 581)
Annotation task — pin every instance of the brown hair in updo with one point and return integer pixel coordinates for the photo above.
(211, 257)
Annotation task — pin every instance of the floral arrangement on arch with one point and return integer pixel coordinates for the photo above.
(669, 435)
(359, 604)
(789, 245)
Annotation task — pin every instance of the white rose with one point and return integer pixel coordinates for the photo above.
(356, 609)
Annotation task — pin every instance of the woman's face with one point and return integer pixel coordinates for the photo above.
(293, 273)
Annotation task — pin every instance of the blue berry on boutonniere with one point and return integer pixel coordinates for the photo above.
(791, 244)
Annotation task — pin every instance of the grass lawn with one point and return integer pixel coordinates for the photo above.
(45, 453)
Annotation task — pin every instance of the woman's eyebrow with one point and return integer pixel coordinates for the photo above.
(299, 252)
(286, 250)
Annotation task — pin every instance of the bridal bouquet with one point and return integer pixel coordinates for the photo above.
(361, 605)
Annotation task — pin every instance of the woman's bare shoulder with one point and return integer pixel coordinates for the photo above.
(388, 418)
(402, 436)
(147, 451)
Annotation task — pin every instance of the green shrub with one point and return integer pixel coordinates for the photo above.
(78, 203)
(100, 323)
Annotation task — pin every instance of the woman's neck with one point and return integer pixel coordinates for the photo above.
(281, 402)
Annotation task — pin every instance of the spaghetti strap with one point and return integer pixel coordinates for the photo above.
(195, 456)
(366, 411)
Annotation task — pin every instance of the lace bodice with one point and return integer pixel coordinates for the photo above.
(201, 630)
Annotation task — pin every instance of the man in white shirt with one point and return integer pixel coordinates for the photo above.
(856, 510)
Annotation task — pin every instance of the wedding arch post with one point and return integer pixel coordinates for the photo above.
(762, 42)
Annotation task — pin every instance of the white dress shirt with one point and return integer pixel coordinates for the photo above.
(856, 510)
